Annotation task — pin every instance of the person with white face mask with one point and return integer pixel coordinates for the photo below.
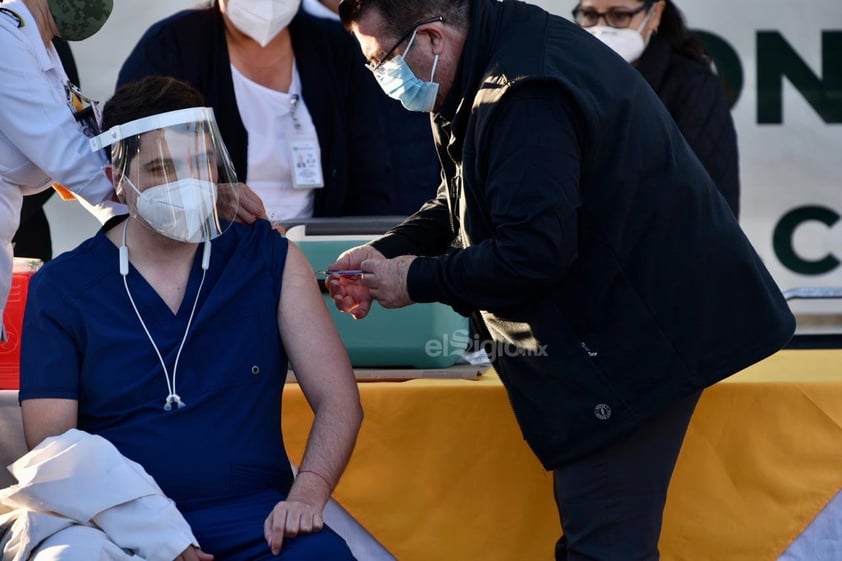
(286, 87)
(626, 29)
(653, 37)
(174, 318)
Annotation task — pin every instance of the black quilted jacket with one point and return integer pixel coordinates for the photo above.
(696, 100)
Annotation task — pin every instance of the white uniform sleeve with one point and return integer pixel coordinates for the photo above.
(84, 478)
(37, 121)
(150, 527)
(105, 210)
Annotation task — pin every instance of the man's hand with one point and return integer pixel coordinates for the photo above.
(386, 280)
(349, 293)
(290, 519)
(193, 553)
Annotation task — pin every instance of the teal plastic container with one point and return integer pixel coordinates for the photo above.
(417, 336)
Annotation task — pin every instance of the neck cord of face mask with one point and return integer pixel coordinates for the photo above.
(172, 396)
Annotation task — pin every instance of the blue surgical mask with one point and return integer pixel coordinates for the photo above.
(399, 82)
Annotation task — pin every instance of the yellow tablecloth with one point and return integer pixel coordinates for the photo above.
(441, 472)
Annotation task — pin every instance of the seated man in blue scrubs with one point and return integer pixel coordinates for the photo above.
(169, 334)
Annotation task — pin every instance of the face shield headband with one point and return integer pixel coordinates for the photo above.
(174, 173)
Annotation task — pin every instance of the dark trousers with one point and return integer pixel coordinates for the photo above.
(611, 502)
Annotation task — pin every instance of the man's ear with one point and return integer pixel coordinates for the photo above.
(436, 36)
(112, 176)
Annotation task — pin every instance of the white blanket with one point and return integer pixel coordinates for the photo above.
(76, 494)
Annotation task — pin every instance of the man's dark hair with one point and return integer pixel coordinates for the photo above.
(148, 96)
(400, 15)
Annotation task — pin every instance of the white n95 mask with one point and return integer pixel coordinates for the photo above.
(178, 210)
(261, 20)
(626, 42)
(398, 81)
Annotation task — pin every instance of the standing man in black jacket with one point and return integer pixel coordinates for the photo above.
(584, 238)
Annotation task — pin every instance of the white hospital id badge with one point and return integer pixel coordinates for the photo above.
(306, 161)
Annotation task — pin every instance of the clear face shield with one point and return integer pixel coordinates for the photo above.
(174, 173)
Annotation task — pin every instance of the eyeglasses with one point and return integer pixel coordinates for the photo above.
(403, 38)
(615, 17)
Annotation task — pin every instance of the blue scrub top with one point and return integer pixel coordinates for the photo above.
(82, 340)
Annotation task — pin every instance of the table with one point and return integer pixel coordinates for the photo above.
(440, 470)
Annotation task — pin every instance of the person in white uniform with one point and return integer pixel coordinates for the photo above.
(42, 115)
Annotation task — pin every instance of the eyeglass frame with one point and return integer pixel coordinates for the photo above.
(404, 37)
(647, 4)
